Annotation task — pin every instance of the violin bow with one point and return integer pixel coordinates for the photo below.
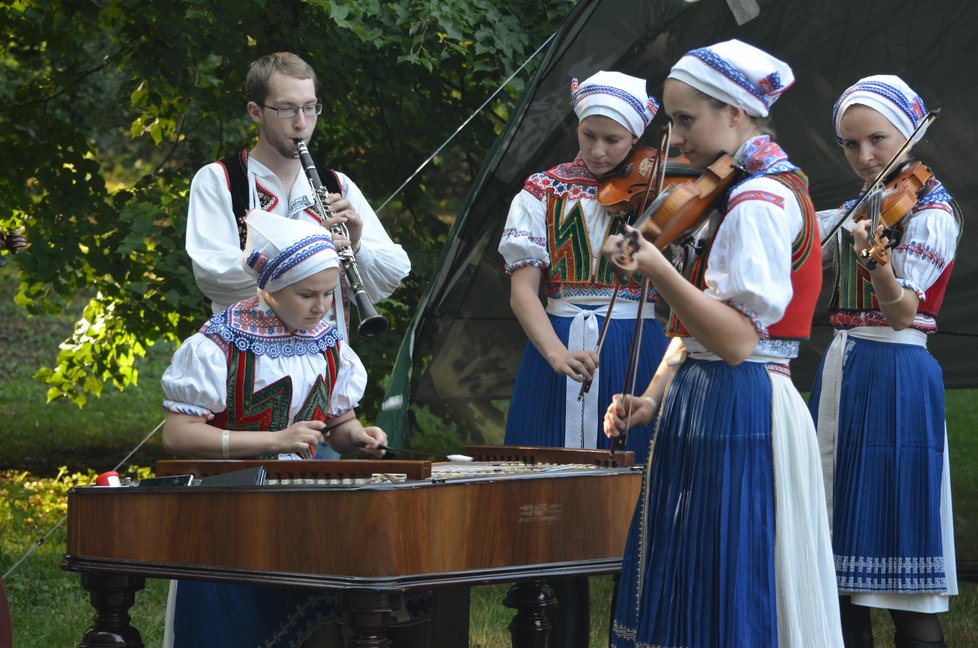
(915, 136)
(631, 371)
(660, 173)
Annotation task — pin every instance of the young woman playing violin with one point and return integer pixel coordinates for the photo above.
(878, 398)
(729, 545)
(553, 234)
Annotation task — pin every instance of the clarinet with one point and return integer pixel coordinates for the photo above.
(371, 322)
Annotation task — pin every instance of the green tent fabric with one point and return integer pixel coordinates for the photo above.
(460, 355)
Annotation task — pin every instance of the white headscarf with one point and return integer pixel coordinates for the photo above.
(737, 74)
(886, 94)
(616, 96)
(281, 251)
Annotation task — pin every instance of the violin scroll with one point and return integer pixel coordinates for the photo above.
(878, 254)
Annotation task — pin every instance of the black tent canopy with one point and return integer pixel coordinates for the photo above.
(460, 356)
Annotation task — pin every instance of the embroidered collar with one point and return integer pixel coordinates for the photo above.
(761, 156)
(250, 325)
(576, 172)
(300, 202)
(932, 193)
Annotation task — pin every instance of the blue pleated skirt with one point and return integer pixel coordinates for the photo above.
(888, 463)
(221, 615)
(699, 564)
(538, 406)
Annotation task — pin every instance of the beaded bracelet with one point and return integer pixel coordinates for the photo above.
(654, 403)
(224, 443)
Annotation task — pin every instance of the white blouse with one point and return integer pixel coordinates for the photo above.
(928, 245)
(195, 383)
(750, 262)
(749, 266)
(213, 244)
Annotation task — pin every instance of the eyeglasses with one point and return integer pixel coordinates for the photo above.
(288, 112)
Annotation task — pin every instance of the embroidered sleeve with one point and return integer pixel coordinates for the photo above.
(750, 263)
(196, 381)
(926, 248)
(827, 219)
(524, 239)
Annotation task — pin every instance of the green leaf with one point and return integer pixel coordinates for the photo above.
(119, 104)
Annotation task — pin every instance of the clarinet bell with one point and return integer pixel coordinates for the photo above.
(373, 325)
(371, 322)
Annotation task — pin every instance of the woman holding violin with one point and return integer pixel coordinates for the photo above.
(878, 398)
(729, 544)
(553, 234)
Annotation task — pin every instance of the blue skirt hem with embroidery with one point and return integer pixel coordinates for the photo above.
(886, 513)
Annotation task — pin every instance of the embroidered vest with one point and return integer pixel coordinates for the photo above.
(568, 238)
(236, 172)
(569, 246)
(853, 301)
(268, 408)
(806, 268)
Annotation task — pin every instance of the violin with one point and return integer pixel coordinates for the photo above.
(872, 189)
(682, 206)
(898, 197)
(629, 187)
(900, 194)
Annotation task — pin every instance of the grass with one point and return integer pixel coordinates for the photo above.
(50, 609)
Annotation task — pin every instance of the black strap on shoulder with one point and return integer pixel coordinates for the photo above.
(331, 181)
(236, 166)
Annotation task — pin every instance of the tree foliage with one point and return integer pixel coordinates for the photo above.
(107, 108)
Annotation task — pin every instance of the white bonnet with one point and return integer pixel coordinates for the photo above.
(617, 96)
(281, 251)
(886, 94)
(737, 74)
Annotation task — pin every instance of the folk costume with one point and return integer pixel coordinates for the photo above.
(244, 370)
(556, 224)
(221, 194)
(729, 545)
(878, 398)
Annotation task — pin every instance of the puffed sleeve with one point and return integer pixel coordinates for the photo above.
(524, 239)
(195, 383)
(827, 219)
(212, 240)
(382, 262)
(928, 245)
(351, 382)
(750, 262)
